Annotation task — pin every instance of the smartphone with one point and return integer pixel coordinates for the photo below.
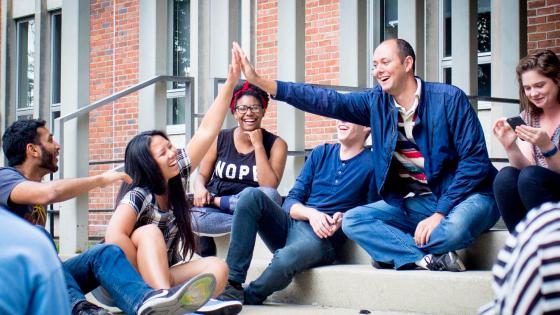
(515, 121)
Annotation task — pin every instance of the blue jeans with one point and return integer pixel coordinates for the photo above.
(214, 221)
(294, 244)
(105, 265)
(386, 232)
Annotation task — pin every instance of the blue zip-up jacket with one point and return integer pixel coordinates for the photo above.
(447, 133)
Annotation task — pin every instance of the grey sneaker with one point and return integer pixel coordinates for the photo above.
(217, 307)
(231, 293)
(444, 262)
(181, 299)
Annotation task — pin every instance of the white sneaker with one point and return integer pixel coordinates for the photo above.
(181, 299)
(217, 307)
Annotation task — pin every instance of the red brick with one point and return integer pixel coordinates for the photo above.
(535, 4)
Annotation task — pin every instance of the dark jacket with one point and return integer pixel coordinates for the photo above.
(447, 132)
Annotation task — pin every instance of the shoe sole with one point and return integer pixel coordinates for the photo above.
(225, 308)
(190, 297)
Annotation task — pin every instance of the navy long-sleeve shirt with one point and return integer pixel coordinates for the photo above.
(331, 185)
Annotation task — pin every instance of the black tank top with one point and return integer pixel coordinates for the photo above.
(234, 171)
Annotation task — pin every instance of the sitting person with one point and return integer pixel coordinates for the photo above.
(32, 153)
(305, 232)
(533, 177)
(527, 272)
(152, 220)
(232, 164)
(432, 166)
(31, 273)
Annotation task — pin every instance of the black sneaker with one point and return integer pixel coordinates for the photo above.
(217, 307)
(87, 308)
(184, 298)
(232, 293)
(381, 265)
(444, 262)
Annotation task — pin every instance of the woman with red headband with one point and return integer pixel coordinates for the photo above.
(241, 157)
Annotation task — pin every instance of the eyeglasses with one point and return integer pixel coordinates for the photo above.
(242, 109)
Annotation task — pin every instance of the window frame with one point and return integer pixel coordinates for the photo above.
(27, 111)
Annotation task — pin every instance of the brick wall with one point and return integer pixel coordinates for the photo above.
(543, 25)
(267, 51)
(321, 62)
(113, 67)
(321, 58)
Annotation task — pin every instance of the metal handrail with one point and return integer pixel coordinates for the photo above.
(59, 122)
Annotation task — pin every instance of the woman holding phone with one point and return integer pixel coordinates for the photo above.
(533, 177)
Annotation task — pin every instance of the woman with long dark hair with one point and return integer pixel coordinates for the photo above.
(533, 177)
(152, 221)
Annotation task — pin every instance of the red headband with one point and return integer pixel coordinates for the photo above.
(246, 87)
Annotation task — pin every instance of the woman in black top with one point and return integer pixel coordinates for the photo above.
(241, 157)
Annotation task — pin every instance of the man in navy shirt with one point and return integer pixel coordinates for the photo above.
(432, 166)
(304, 232)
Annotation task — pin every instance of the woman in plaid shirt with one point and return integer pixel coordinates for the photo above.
(152, 222)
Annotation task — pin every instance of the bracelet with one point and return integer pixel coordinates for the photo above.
(550, 152)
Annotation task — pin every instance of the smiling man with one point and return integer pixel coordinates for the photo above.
(305, 232)
(432, 167)
(32, 153)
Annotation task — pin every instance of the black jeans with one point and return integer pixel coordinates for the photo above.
(518, 191)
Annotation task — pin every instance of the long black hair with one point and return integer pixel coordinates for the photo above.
(145, 173)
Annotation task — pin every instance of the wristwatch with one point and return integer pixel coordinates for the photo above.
(550, 152)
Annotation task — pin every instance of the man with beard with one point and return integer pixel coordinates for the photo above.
(32, 153)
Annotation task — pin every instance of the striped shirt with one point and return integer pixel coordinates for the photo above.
(148, 212)
(527, 272)
(409, 158)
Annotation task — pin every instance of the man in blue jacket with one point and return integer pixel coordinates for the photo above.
(433, 170)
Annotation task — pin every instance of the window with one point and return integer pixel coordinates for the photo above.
(484, 45)
(484, 48)
(56, 21)
(389, 19)
(25, 70)
(179, 47)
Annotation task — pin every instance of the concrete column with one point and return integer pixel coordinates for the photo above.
(75, 94)
(509, 40)
(431, 41)
(7, 67)
(411, 29)
(224, 29)
(464, 46)
(200, 51)
(353, 43)
(247, 15)
(152, 100)
(291, 67)
(41, 93)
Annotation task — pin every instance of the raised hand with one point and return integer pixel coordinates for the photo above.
(502, 130)
(246, 66)
(234, 70)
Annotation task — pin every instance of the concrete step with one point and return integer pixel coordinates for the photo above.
(363, 287)
(290, 309)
